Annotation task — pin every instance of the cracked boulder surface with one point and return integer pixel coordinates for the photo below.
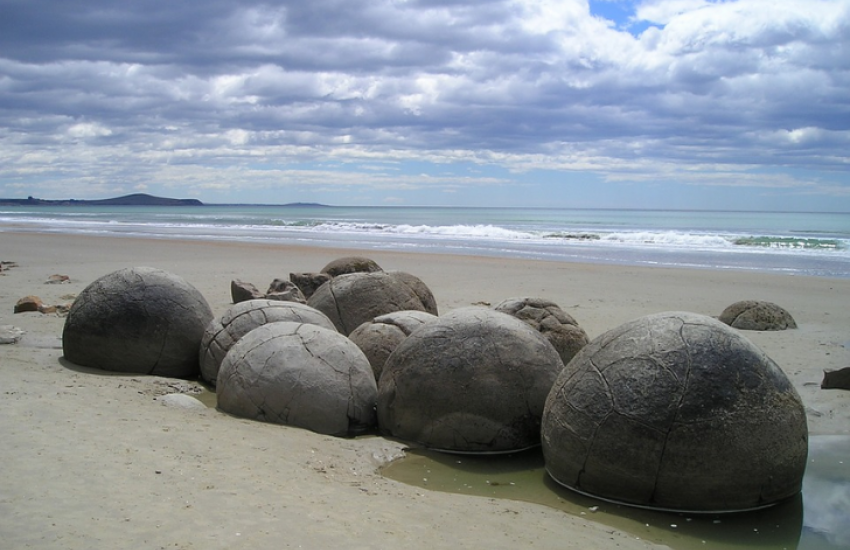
(301, 375)
(418, 286)
(472, 381)
(137, 320)
(237, 321)
(351, 300)
(676, 411)
(547, 317)
(380, 336)
(351, 264)
(757, 315)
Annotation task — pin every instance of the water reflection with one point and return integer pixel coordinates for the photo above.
(817, 520)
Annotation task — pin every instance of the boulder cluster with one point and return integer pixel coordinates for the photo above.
(675, 411)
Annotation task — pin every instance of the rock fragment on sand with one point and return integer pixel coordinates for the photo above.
(57, 279)
(10, 334)
(757, 315)
(285, 291)
(309, 282)
(241, 291)
(836, 379)
(28, 304)
(181, 401)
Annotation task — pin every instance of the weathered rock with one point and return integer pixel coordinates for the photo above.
(139, 320)
(10, 334)
(309, 282)
(241, 291)
(28, 303)
(757, 315)
(240, 319)
(836, 379)
(351, 264)
(379, 337)
(301, 375)
(285, 291)
(419, 288)
(472, 381)
(546, 317)
(57, 279)
(181, 401)
(676, 411)
(351, 300)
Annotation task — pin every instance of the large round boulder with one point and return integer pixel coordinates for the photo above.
(351, 300)
(237, 321)
(676, 411)
(351, 264)
(380, 336)
(472, 381)
(757, 315)
(547, 317)
(419, 288)
(137, 320)
(301, 375)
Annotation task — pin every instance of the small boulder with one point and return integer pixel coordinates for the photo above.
(57, 279)
(546, 317)
(300, 375)
(137, 320)
(379, 337)
(28, 303)
(222, 333)
(241, 291)
(757, 315)
(285, 291)
(309, 282)
(351, 264)
(419, 288)
(836, 379)
(351, 300)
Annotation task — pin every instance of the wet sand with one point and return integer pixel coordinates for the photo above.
(95, 460)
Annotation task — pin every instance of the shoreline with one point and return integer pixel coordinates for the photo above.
(93, 460)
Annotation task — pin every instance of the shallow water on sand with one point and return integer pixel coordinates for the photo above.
(819, 519)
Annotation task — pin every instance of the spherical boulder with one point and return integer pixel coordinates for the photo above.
(757, 315)
(419, 288)
(380, 336)
(676, 411)
(301, 375)
(351, 264)
(472, 381)
(351, 300)
(555, 324)
(222, 333)
(137, 320)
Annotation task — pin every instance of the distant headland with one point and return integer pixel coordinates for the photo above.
(136, 199)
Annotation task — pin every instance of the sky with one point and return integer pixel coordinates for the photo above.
(682, 104)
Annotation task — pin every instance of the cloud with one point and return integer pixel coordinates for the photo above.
(116, 89)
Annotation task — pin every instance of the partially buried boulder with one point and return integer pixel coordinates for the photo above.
(351, 300)
(676, 411)
(472, 381)
(380, 336)
(221, 334)
(547, 317)
(757, 315)
(139, 320)
(300, 375)
(351, 264)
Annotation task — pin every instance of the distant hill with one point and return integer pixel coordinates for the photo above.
(136, 199)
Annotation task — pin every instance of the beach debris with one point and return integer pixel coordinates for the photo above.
(676, 411)
(285, 291)
(299, 374)
(309, 282)
(757, 315)
(351, 264)
(181, 401)
(223, 332)
(241, 291)
(547, 317)
(836, 379)
(10, 334)
(379, 337)
(28, 303)
(352, 299)
(57, 279)
(473, 381)
(5, 266)
(139, 319)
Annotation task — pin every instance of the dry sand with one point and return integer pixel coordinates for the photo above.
(93, 460)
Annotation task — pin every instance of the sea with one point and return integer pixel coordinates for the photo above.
(793, 243)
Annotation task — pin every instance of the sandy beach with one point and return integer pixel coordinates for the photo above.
(94, 460)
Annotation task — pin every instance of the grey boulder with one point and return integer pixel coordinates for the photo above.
(299, 375)
(137, 320)
(351, 264)
(380, 336)
(472, 381)
(676, 411)
(547, 317)
(757, 315)
(429, 303)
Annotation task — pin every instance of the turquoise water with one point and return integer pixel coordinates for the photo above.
(795, 243)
